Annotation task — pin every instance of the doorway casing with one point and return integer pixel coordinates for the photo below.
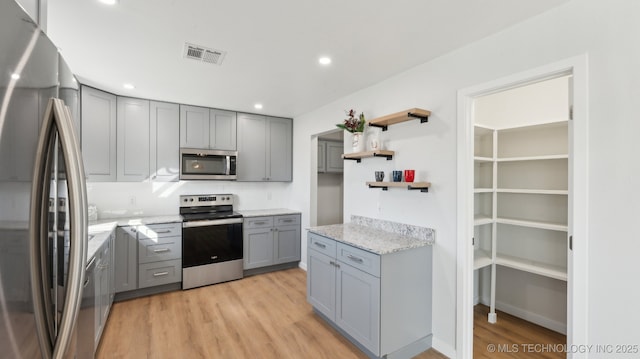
(577, 285)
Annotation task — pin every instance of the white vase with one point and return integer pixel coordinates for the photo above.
(357, 141)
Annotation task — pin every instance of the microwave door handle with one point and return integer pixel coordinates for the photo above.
(228, 172)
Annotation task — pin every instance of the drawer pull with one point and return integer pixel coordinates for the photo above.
(355, 259)
(160, 250)
(260, 223)
(164, 231)
(321, 245)
(287, 220)
(160, 274)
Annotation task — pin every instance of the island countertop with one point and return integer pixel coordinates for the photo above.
(370, 239)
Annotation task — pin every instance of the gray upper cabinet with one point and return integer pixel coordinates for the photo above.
(98, 134)
(194, 127)
(252, 141)
(222, 130)
(133, 139)
(264, 148)
(280, 148)
(164, 141)
(330, 156)
(206, 128)
(335, 163)
(322, 152)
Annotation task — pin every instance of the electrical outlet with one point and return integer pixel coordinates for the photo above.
(132, 200)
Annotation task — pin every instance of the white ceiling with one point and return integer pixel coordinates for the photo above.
(272, 46)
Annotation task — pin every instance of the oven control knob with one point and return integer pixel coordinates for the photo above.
(191, 199)
(185, 200)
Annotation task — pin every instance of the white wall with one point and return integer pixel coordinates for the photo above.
(542, 102)
(607, 33)
(162, 198)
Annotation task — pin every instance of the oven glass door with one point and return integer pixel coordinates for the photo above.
(211, 244)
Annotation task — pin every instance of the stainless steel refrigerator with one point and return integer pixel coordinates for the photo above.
(43, 216)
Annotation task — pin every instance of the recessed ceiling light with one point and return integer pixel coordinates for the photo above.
(324, 60)
(129, 86)
(15, 76)
(109, 2)
(258, 106)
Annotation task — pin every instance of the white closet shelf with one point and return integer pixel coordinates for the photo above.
(480, 220)
(483, 190)
(482, 159)
(534, 267)
(533, 158)
(533, 224)
(533, 191)
(481, 259)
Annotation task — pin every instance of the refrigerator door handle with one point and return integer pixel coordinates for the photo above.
(57, 116)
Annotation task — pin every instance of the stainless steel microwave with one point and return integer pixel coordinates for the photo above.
(199, 164)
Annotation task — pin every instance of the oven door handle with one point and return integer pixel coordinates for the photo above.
(213, 222)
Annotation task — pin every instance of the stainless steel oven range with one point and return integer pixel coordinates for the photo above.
(211, 240)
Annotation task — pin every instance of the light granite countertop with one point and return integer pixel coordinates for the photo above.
(369, 239)
(99, 231)
(267, 212)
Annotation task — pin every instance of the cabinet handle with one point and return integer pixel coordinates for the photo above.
(320, 245)
(164, 231)
(287, 220)
(134, 230)
(160, 274)
(160, 250)
(355, 259)
(259, 223)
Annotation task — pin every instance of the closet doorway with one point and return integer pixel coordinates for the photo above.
(520, 165)
(329, 180)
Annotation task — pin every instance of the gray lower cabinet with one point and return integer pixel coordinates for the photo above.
(132, 139)
(271, 240)
(126, 259)
(164, 154)
(381, 302)
(159, 254)
(265, 146)
(98, 114)
(148, 256)
(103, 297)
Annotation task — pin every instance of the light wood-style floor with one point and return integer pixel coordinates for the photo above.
(517, 338)
(263, 316)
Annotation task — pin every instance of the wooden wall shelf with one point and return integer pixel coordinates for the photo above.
(403, 116)
(421, 186)
(357, 156)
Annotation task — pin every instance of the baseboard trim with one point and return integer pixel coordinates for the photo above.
(535, 318)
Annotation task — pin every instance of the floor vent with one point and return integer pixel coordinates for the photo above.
(203, 54)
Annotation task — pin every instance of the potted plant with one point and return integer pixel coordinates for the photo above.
(355, 125)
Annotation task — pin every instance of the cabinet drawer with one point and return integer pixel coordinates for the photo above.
(287, 220)
(322, 244)
(360, 259)
(159, 273)
(258, 222)
(154, 231)
(160, 249)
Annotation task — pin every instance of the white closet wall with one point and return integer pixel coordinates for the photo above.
(521, 202)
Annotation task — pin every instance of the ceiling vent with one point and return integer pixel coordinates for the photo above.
(203, 54)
